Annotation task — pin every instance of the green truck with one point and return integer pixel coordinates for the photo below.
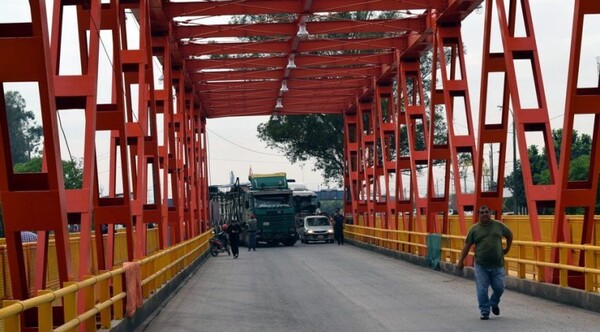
(306, 202)
(269, 198)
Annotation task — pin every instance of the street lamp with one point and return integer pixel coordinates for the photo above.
(514, 130)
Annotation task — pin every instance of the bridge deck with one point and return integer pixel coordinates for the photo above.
(319, 287)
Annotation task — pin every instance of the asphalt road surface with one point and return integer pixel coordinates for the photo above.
(326, 287)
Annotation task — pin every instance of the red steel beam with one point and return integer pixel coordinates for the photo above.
(365, 161)
(78, 92)
(351, 165)
(438, 152)
(379, 205)
(238, 86)
(142, 128)
(403, 192)
(114, 208)
(257, 7)
(413, 110)
(30, 61)
(580, 101)
(527, 119)
(164, 105)
(372, 168)
(492, 133)
(281, 62)
(455, 95)
(290, 29)
(266, 47)
(386, 119)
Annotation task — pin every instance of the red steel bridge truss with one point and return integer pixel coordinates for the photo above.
(301, 60)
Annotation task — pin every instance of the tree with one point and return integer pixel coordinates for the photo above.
(72, 171)
(514, 183)
(25, 136)
(24, 133)
(581, 146)
(300, 137)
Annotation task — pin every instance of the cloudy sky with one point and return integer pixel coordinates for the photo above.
(234, 147)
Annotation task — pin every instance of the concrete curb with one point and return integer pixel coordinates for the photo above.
(569, 296)
(151, 305)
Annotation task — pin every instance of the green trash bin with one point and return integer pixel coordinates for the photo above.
(434, 250)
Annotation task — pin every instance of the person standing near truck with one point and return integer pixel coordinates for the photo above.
(234, 231)
(252, 232)
(338, 227)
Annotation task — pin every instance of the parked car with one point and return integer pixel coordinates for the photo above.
(316, 228)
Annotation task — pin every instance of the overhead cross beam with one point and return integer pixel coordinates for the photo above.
(276, 53)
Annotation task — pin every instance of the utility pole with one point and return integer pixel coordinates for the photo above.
(490, 186)
(514, 160)
(514, 132)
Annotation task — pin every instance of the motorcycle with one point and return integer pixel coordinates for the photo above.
(218, 244)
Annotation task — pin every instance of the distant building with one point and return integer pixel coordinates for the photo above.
(330, 195)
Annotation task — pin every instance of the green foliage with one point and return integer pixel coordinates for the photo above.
(24, 134)
(578, 169)
(301, 137)
(72, 171)
(514, 183)
(330, 206)
(32, 166)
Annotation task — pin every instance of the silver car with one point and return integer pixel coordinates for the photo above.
(316, 228)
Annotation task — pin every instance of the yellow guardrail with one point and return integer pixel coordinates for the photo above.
(159, 268)
(526, 260)
(103, 294)
(401, 240)
(30, 249)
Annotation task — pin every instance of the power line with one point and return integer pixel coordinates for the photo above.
(243, 147)
(254, 161)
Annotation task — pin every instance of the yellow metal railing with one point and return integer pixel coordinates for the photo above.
(526, 260)
(405, 241)
(102, 294)
(164, 265)
(29, 252)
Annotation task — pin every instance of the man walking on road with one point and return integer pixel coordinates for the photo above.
(487, 236)
(338, 227)
(252, 232)
(234, 231)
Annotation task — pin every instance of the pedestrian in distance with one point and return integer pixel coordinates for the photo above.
(223, 237)
(487, 236)
(338, 227)
(252, 232)
(234, 231)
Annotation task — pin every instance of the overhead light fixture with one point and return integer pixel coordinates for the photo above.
(275, 117)
(284, 87)
(291, 63)
(302, 32)
(279, 104)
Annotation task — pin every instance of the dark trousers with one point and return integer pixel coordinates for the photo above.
(234, 241)
(251, 240)
(339, 235)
